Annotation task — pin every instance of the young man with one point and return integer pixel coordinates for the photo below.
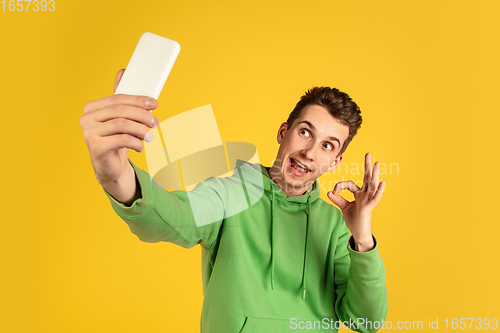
(286, 262)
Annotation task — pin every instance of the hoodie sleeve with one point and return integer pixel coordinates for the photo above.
(160, 215)
(360, 287)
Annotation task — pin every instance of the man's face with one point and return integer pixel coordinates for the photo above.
(308, 149)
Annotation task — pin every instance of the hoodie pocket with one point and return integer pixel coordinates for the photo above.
(265, 325)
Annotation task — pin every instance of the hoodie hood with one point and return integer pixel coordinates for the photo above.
(258, 176)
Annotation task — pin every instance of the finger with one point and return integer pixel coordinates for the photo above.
(122, 126)
(368, 169)
(127, 112)
(118, 78)
(144, 102)
(375, 176)
(115, 142)
(97, 123)
(346, 185)
(341, 202)
(378, 195)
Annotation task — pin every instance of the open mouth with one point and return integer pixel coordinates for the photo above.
(298, 167)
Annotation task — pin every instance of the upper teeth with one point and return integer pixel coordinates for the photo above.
(301, 165)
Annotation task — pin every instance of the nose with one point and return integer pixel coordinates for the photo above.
(308, 152)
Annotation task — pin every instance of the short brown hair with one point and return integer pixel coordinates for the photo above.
(338, 103)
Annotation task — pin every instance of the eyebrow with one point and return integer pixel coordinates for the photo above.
(332, 138)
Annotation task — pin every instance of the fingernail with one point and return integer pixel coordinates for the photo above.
(150, 103)
(155, 123)
(149, 137)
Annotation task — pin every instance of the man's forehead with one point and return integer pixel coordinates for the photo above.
(320, 120)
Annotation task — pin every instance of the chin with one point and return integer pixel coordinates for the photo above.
(301, 182)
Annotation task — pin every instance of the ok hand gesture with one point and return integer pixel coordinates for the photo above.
(357, 213)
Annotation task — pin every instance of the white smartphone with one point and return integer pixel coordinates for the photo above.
(148, 68)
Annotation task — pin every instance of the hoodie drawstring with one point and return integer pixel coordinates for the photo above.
(304, 268)
(305, 249)
(272, 242)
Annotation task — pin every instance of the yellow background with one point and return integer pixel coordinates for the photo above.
(425, 74)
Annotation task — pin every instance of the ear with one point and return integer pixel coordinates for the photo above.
(335, 164)
(281, 132)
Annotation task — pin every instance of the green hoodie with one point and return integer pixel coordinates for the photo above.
(282, 265)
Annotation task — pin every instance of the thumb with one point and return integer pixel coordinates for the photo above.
(338, 200)
(118, 78)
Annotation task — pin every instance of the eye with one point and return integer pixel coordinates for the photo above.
(328, 146)
(304, 132)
